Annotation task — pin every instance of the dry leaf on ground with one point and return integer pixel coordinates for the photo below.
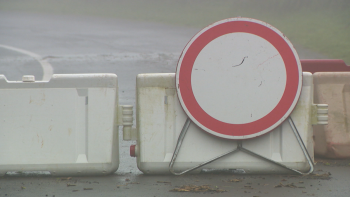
(291, 185)
(235, 180)
(195, 188)
(325, 176)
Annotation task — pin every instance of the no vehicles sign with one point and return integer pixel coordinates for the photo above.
(238, 78)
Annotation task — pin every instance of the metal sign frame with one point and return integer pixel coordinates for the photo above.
(240, 148)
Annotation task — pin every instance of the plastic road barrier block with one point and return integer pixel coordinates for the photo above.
(333, 140)
(160, 119)
(67, 126)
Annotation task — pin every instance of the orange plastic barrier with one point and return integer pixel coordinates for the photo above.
(331, 86)
(333, 140)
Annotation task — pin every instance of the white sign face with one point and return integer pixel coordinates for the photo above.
(238, 78)
(252, 78)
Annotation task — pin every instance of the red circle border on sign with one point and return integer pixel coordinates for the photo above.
(278, 113)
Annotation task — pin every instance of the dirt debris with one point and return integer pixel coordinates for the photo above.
(195, 188)
(247, 187)
(325, 176)
(290, 185)
(127, 184)
(332, 162)
(235, 180)
(164, 182)
(66, 179)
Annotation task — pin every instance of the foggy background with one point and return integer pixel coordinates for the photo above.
(129, 37)
(322, 26)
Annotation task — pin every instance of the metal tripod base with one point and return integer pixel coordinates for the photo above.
(239, 148)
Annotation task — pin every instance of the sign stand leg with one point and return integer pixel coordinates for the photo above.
(240, 148)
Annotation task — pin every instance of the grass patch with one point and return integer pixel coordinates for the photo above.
(320, 25)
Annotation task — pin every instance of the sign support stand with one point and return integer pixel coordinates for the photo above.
(240, 148)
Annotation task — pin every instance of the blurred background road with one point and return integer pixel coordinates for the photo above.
(128, 37)
(319, 25)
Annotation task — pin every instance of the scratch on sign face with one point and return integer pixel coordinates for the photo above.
(241, 62)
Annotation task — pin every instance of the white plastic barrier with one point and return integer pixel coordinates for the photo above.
(67, 126)
(160, 119)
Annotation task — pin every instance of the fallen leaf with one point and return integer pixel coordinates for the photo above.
(279, 185)
(291, 185)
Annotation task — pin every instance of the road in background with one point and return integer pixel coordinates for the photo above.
(98, 45)
(320, 25)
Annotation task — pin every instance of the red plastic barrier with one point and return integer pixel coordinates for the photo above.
(333, 140)
(324, 65)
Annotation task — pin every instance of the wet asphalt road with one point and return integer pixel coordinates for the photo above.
(127, 48)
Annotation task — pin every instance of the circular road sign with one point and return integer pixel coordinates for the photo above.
(238, 78)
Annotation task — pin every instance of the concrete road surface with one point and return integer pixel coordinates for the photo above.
(40, 45)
